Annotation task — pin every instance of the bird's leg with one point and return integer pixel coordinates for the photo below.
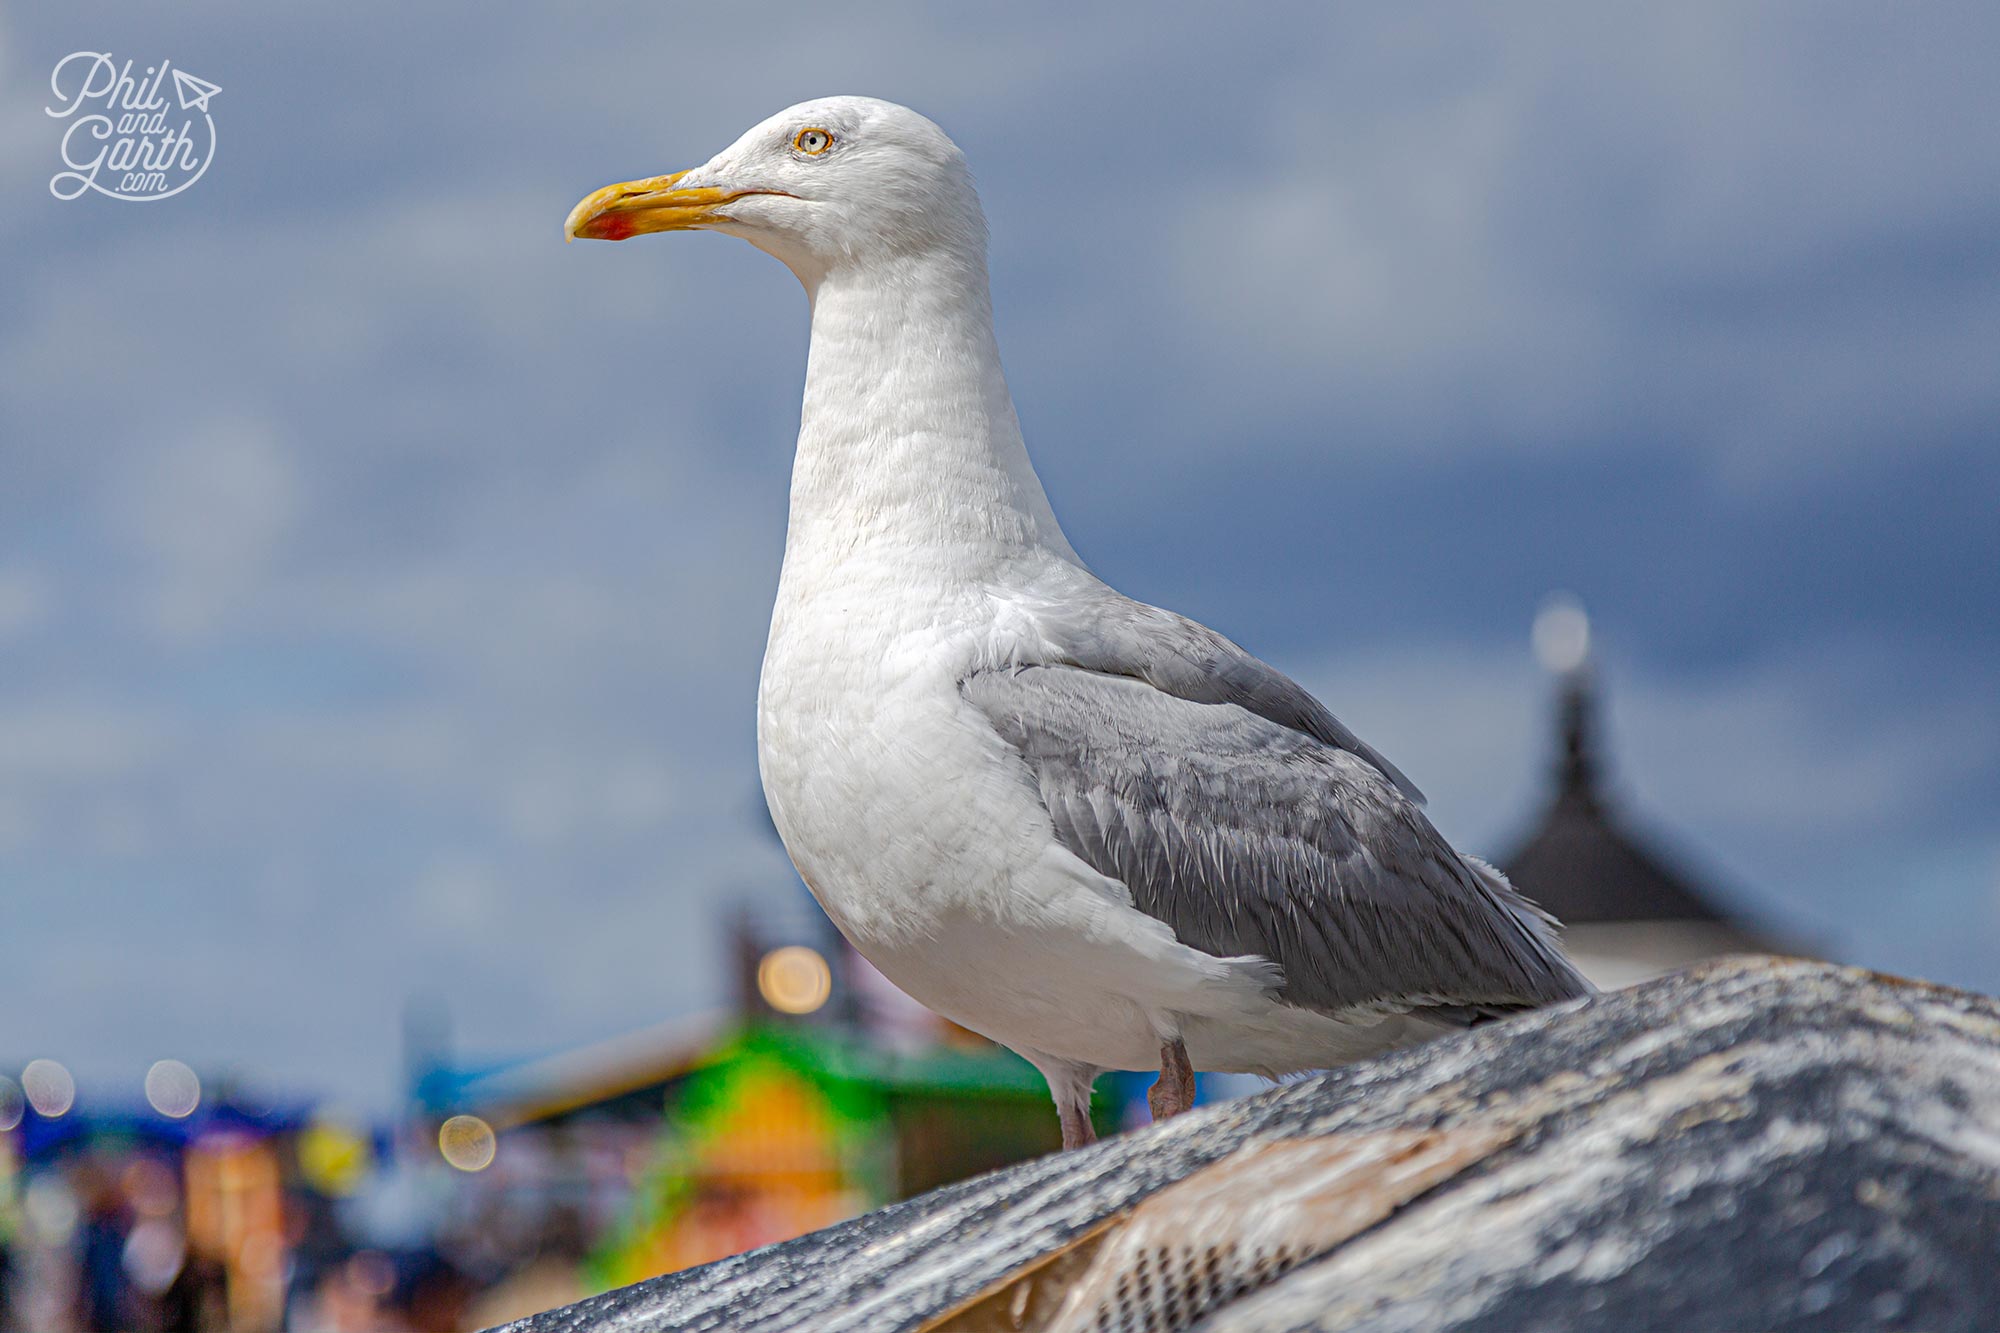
(1077, 1130)
(1174, 1092)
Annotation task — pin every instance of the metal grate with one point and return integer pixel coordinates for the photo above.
(1171, 1287)
(1228, 1229)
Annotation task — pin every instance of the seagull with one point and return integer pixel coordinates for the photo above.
(1095, 831)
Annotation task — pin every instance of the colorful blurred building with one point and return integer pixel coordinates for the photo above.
(824, 1094)
(173, 1215)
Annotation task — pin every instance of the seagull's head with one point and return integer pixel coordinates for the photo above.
(827, 183)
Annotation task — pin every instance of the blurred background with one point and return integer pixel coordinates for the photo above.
(394, 937)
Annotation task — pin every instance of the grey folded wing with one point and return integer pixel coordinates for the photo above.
(1113, 635)
(1246, 836)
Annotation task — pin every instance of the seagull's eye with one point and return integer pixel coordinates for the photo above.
(813, 142)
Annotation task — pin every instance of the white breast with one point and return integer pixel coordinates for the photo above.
(917, 830)
(910, 819)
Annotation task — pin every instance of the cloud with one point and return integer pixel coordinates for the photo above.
(206, 512)
(70, 740)
(1769, 778)
(388, 580)
(24, 600)
(1733, 246)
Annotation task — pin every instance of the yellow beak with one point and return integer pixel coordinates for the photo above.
(618, 211)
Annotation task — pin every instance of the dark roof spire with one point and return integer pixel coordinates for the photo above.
(1577, 766)
(1579, 861)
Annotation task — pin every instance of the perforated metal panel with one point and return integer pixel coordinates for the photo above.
(1170, 1287)
(1226, 1230)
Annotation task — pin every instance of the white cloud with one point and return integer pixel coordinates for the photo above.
(24, 600)
(66, 739)
(413, 569)
(1582, 222)
(455, 897)
(208, 511)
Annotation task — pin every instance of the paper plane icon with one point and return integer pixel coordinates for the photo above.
(194, 93)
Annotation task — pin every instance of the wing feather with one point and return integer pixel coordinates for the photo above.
(1113, 635)
(1248, 836)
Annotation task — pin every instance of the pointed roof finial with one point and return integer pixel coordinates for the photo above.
(1562, 644)
(1579, 861)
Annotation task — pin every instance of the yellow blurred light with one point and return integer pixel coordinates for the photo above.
(173, 1089)
(50, 1089)
(334, 1156)
(794, 979)
(467, 1142)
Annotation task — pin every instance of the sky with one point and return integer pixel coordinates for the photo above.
(383, 583)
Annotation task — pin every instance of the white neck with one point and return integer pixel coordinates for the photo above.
(909, 450)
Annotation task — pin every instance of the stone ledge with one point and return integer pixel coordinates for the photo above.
(1760, 1142)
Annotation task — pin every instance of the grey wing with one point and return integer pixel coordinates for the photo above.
(1114, 635)
(1248, 837)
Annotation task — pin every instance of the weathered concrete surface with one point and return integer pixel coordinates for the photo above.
(1761, 1143)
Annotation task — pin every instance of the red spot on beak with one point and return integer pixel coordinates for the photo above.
(607, 227)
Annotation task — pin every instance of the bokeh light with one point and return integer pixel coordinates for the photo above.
(173, 1089)
(335, 1156)
(49, 1088)
(794, 979)
(12, 1104)
(51, 1209)
(1561, 633)
(153, 1255)
(467, 1142)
